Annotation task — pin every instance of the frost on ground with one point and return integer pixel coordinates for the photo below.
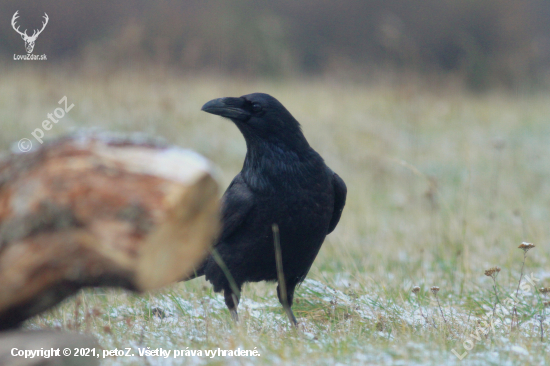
(196, 323)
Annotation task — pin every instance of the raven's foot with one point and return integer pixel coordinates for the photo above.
(232, 302)
(234, 315)
(291, 317)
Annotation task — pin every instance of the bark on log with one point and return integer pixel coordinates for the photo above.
(99, 211)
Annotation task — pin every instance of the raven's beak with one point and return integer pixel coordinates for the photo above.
(227, 107)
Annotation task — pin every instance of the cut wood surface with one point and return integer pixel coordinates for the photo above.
(98, 210)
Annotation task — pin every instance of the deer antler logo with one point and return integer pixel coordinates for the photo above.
(29, 40)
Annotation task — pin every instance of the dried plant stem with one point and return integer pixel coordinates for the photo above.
(77, 303)
(421, 312)
(521, 273)
(496, 295)
(281, 275)
(541, 330)
(232, 284)
(441, 310)
(514, 310)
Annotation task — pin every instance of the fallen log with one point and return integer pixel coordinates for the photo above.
(98, 210)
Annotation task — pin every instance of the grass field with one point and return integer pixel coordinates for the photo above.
(442, 185)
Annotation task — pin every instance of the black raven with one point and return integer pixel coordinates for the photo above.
(284, 182)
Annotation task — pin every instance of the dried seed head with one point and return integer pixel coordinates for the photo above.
(415, 289)
(435, 290)
(525, 246)
(492, 272)
(544, 290)
(546, 304)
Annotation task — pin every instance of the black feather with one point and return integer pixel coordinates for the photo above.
(284, 182)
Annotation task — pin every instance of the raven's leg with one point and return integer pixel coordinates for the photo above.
(232, 301)
(290, 286)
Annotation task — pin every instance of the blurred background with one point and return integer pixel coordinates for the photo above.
(436, 113)
(489, 43)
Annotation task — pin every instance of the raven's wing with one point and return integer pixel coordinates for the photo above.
(236, 202)
(340, 191)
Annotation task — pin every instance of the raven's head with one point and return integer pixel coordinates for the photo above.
(260, 117)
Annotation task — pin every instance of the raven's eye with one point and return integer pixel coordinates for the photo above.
(256, 107)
